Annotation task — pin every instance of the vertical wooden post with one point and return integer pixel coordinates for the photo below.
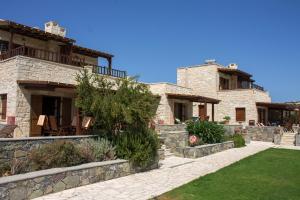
(11, 40)
(213, 112)
(109, 65)
(78, 122)
(205, 111)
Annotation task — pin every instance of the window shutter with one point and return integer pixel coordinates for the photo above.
(4, 106)
(240, 114)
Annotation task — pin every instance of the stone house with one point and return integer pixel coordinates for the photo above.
(38, 70)
(212, 91)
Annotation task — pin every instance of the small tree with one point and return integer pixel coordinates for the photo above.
(122, 109)
(115, 104)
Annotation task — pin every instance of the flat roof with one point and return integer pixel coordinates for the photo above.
(280, 106)
(193, 98)
(234, 72)
(44, 84)
(43, 35)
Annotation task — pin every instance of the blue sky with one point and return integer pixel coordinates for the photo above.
(151, 38)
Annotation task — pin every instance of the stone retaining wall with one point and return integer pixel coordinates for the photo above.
(203, 150)
(35, 184)
(18, 148)
(166, 128)
(297, 142)
(256, 133)
(173, 139)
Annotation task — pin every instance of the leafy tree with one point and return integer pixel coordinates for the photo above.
(120, 104)
(123, 110)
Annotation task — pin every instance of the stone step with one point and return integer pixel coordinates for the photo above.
(168, 153)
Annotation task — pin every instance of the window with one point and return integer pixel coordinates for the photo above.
(240, 114)
(3, 46)
(3, 106)
(224, 84)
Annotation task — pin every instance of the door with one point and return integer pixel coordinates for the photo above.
(262, 115)
(179, 111)
(202, 112)
(51, 107)
(36, 111)
(66, 111)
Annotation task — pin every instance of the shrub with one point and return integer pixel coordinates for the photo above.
(97, 150)
(208, 132)
(238, 140)
(56, 154)
(226, 118)
(5, 169)
(140, 149)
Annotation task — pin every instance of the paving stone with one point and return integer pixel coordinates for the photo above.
(174, 172)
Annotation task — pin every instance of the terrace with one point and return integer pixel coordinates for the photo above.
(232, 79)
(60, 58)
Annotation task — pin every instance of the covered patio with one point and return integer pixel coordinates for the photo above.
(275, 114)
(202, 102)
(52, 108)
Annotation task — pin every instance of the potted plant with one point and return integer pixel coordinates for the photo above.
(226, 119)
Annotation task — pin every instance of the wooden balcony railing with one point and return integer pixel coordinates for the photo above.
(43, 55)
(59, 58)
(254, 86)
(110, 72)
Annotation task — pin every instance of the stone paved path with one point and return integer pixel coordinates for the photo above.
(173, 173)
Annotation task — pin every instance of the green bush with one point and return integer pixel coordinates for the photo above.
(208, 132)
(238, 140)
(56, 154)
(139, 148)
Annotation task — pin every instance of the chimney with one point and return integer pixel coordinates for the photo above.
(210, 61)
(54, 28)
(232, 66)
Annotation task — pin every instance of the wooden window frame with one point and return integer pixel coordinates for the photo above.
(3, 108)
(224, 83)
(239, 118)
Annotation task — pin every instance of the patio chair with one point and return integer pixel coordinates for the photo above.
(43, 123)
(54, 129)
(85, 124)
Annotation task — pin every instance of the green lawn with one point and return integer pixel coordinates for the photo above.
(273, 174)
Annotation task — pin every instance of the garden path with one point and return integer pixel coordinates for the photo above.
(174, 172)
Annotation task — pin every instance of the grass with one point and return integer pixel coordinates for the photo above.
(273, 174)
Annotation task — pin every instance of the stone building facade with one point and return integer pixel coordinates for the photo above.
(38, 75)
(239, 92)
(232, 89)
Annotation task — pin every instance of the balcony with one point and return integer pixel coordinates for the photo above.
(225, 87)
(60, 58)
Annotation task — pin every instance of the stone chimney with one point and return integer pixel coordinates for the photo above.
(54, 28)
(232, 66)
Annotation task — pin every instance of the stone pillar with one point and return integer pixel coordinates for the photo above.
(277, 136)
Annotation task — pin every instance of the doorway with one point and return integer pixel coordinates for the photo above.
(262, 115)
(202, 112)
(180, 112)
(59, 107)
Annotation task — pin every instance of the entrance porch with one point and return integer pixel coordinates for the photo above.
(278, 114)
(54, 104)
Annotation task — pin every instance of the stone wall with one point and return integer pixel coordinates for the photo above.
(203, 150)
(166, 128)
(35, 184)
(297, 139)
(18, 148)
(201, 78)
(165, 110)
(257, 133)
(174, 139)
(241, 98)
